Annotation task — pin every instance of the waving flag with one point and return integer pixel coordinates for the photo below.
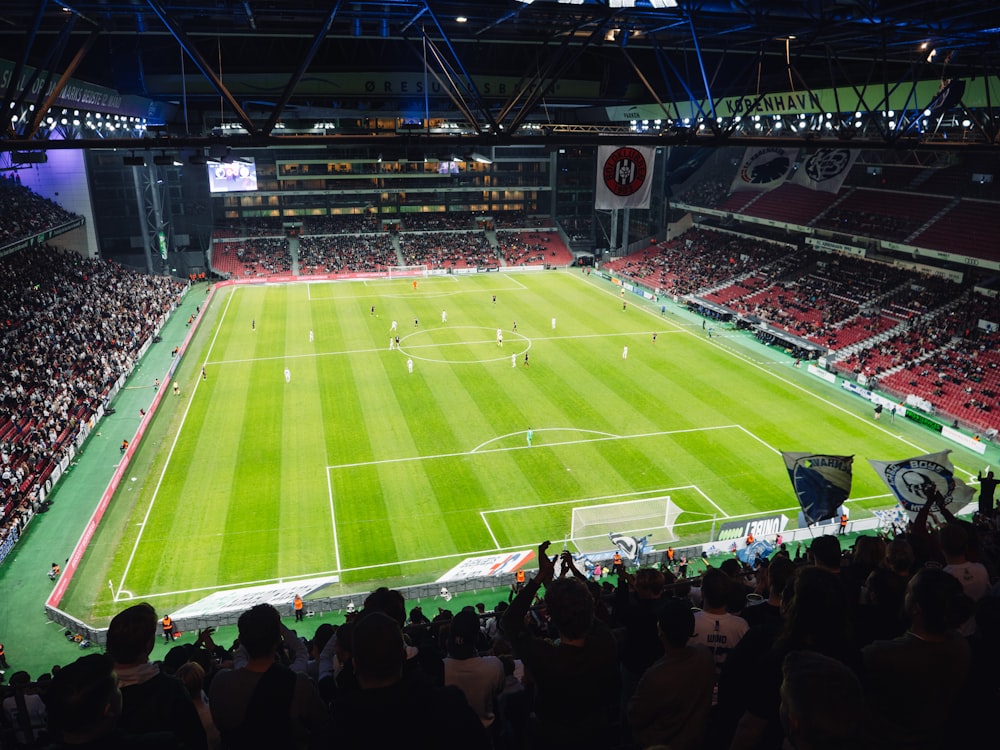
(915, 481)
(630, 547)
(821, 482)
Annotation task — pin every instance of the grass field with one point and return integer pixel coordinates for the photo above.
(361, 470)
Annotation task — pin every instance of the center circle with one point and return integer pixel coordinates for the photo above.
(460, 341)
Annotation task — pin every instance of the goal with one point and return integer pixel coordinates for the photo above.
(398, 272)
(652, 516)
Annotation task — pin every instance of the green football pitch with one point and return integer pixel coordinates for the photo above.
(310, 450)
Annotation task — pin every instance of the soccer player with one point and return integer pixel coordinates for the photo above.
(177, 389)
(253, 324)
(373, 311)
(204, 375)
(288, 375)
(444, 316)
(553, 324)
(391, 341)
(414, 284)
(416, 322)
(310, 336)
(393, 326)
(625, 353)
(654, 337)
(513, 359)
(525, 359)
(409, 366)
(515, 326)
(499, 337)
(531, 435)
(494, 299)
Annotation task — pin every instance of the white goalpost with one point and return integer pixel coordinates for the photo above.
(398, 272)
(653, 517)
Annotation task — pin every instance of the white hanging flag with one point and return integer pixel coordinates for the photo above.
(624, 176)
(764, 168)
(825, 169)
(916, 481)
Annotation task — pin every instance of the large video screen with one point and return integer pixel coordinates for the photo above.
(239, 175)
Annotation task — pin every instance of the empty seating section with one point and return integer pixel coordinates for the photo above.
(792, 204)
(881, 214)
(970, 228)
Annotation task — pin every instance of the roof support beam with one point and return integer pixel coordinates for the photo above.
(296, 76)
(206, 70)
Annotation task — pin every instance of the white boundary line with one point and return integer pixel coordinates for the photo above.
(166, 465)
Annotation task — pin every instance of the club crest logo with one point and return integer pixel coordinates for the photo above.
(624, 172)
(914, 481)
(827, 163)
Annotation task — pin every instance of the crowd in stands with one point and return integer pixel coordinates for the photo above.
(887, 319)
(523, 248)
(709, 192)
(71, 328)
(340, 224)
(24, 213)
(696, 262)
(447, 249)
(437, 222)
(892, 642)
(346, 253)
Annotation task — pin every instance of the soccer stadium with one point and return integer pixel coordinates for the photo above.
(540, 373)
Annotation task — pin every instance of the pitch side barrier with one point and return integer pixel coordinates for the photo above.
(73, 563)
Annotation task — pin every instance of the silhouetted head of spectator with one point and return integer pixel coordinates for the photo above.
(715, 588)
(463, 637)
(83, 700)
(321, 637)
(731, 567)
(379, 653)
(821, 703)
(954, 539)
(131, 634)
(675, 622)
(825, 552)
(648, 583)
(192, 676)
(816, 616)
(779, 572)
(899, 557)
(935, 602)
(260, 630)
(885, 589)
(570, 607)
(869, 551)
(389, 602)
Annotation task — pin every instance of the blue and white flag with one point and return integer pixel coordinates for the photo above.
(821, 482)
(825, 169)
(624, 176)
(630, 546)
(764, 168)
(915, 481)
(759, 550)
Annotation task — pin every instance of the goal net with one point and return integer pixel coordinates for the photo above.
(398, 272)
(653, 517)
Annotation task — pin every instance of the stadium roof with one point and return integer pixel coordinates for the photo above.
(182, 72)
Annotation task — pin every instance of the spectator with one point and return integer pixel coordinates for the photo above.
(672, 702)
(480, 678)
(391, 712)
(821, 703)
(84, 706)
(930, 654)
(151, 700)
(575, 678)
(264, 703)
